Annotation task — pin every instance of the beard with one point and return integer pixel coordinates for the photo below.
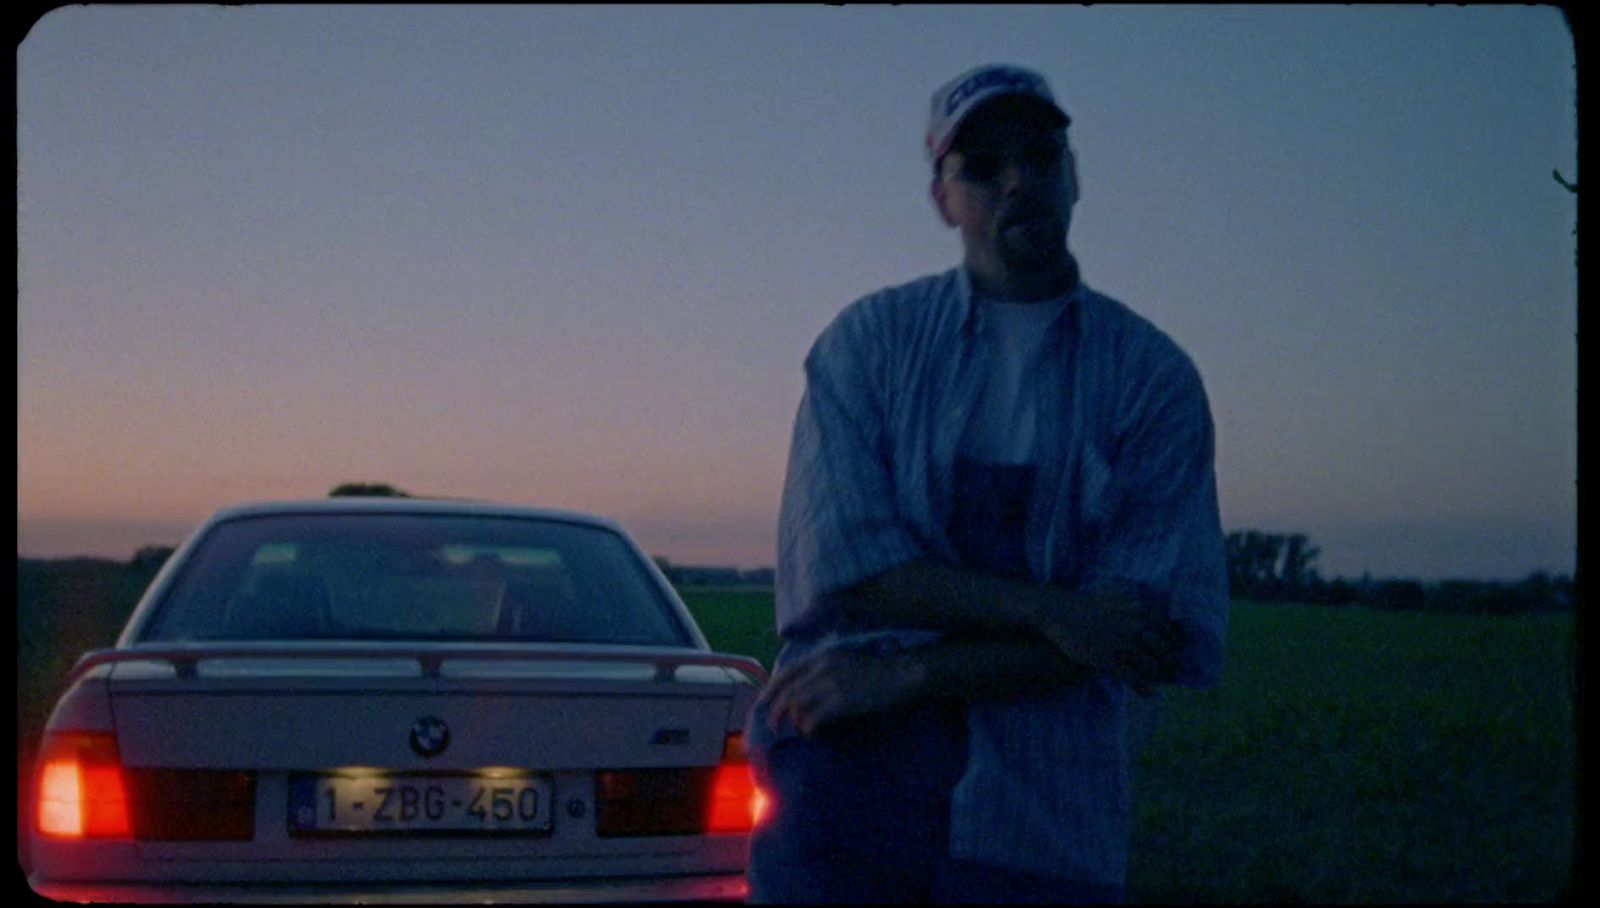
(1033, 243)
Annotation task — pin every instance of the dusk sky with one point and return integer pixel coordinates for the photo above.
(574, 256)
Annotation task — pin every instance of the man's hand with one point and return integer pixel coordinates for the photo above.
(837, 684)
(1118, 633)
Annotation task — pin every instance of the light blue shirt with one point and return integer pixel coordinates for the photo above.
(1125, 488)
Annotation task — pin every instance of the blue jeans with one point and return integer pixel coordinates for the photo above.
(861, 813)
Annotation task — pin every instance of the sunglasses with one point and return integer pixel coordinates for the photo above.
(984, 167)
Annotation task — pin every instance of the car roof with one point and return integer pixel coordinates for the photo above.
(395, 505)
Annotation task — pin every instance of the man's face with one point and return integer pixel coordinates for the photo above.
(1009, 184)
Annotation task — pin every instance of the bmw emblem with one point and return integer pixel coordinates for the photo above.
(430, 736)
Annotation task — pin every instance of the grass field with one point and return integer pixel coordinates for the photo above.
(1348, 756)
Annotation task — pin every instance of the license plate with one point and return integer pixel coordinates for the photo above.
(426, 804)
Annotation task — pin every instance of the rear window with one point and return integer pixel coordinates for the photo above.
(414, 577)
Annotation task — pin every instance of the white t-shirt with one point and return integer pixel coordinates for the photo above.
(1002, 427)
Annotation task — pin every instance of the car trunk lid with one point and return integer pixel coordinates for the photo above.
(287, 716)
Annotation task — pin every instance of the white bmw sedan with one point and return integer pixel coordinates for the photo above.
(385, 700)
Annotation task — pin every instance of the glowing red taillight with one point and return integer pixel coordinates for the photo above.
(680, 801)
(82, 793)
(736, 804)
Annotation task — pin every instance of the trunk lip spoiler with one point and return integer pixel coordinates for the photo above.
(184, 657)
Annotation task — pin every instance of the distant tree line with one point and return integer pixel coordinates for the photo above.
(1281, 567)
(150, 558)
(701, 575)
(1271, 565)
(367, 490)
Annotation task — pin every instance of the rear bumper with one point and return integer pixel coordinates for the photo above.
(716, 888)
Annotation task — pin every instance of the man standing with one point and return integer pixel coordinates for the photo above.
(999, 526)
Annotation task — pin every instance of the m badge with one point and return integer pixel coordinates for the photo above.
(430, 736)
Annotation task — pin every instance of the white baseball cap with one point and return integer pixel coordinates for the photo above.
(965, 93)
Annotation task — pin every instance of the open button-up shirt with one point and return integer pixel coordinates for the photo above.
(1125, 488)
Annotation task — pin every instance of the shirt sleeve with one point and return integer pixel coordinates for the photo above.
(1166, 532)
(838, 522)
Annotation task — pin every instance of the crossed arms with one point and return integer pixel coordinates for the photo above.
(1009, 638)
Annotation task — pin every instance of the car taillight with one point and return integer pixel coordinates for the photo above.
(736, 803)
(84, 791)
(689, 801)
(81, 792)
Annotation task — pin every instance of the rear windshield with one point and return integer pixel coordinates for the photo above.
(414, 577)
